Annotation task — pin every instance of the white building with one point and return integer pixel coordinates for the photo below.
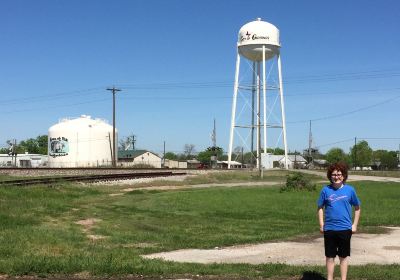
(269, 161)
(175, 164)
(233, 164)
(138, 157)
(23, 160)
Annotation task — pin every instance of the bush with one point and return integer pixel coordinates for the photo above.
(298, 182)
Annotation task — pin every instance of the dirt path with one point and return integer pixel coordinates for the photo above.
(250, 184)
(366, 248)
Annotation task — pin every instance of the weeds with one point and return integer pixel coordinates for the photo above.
(298, 182)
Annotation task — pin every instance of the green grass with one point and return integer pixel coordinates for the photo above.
(4, 177)
(39, 234)
(393, 173)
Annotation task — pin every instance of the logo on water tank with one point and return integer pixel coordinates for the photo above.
(58, 147)
(248, 36)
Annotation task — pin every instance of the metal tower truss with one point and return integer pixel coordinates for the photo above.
(258, 116)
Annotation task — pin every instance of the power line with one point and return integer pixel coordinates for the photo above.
(357, 139)
(379, 138)
(334, 143)
(348, 113)
(37, 98)
(202, 97)
(216, 84)
(54, 107)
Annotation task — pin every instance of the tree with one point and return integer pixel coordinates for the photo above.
(335, 155)
(385, 159)
(43, 143)
(278, 151)
(390, 160)
(188, 151)
(250, 157)
(171, 156)
(237, 153)
(205, 156)
(7, 150)
(38, 145)
(361, 154)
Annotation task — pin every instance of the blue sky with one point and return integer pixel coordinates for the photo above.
(175, 63)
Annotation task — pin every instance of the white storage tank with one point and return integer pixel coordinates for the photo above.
(81, 142)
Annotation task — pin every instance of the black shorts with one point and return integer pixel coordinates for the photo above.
(337, 243)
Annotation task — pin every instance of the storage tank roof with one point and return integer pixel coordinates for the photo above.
(81, 122)
(83, 118)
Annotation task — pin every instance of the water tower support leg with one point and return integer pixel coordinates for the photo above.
(258, 117)
(235, 91)
(282, 109)
(265, 102)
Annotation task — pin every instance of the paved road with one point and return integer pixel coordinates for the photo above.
(356, 177)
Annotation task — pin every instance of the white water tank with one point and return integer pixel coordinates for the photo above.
(256, 34)
(80, 142)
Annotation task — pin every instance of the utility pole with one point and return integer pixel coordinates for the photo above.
(355, 153)
(133, 141)
(164, 156)
(214, 135)
(310, 145)
(13, 152)
(214, 147)
(114, 90)
(242, 158)
(398, 161)
(111, 149)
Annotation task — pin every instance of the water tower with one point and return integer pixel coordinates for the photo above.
(258, 43)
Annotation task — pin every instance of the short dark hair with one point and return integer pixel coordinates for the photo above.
(339, 166)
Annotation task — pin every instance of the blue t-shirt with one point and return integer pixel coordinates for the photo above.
(337, 204)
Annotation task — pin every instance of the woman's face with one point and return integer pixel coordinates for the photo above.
(337, 177)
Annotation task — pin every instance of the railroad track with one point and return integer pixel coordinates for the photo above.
(88, 178)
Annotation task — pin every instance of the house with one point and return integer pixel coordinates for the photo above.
(233, 164)
(23, 160)
(169, 163)
(278, 161)
(319, 164)
(194, 163)
(139, 157)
